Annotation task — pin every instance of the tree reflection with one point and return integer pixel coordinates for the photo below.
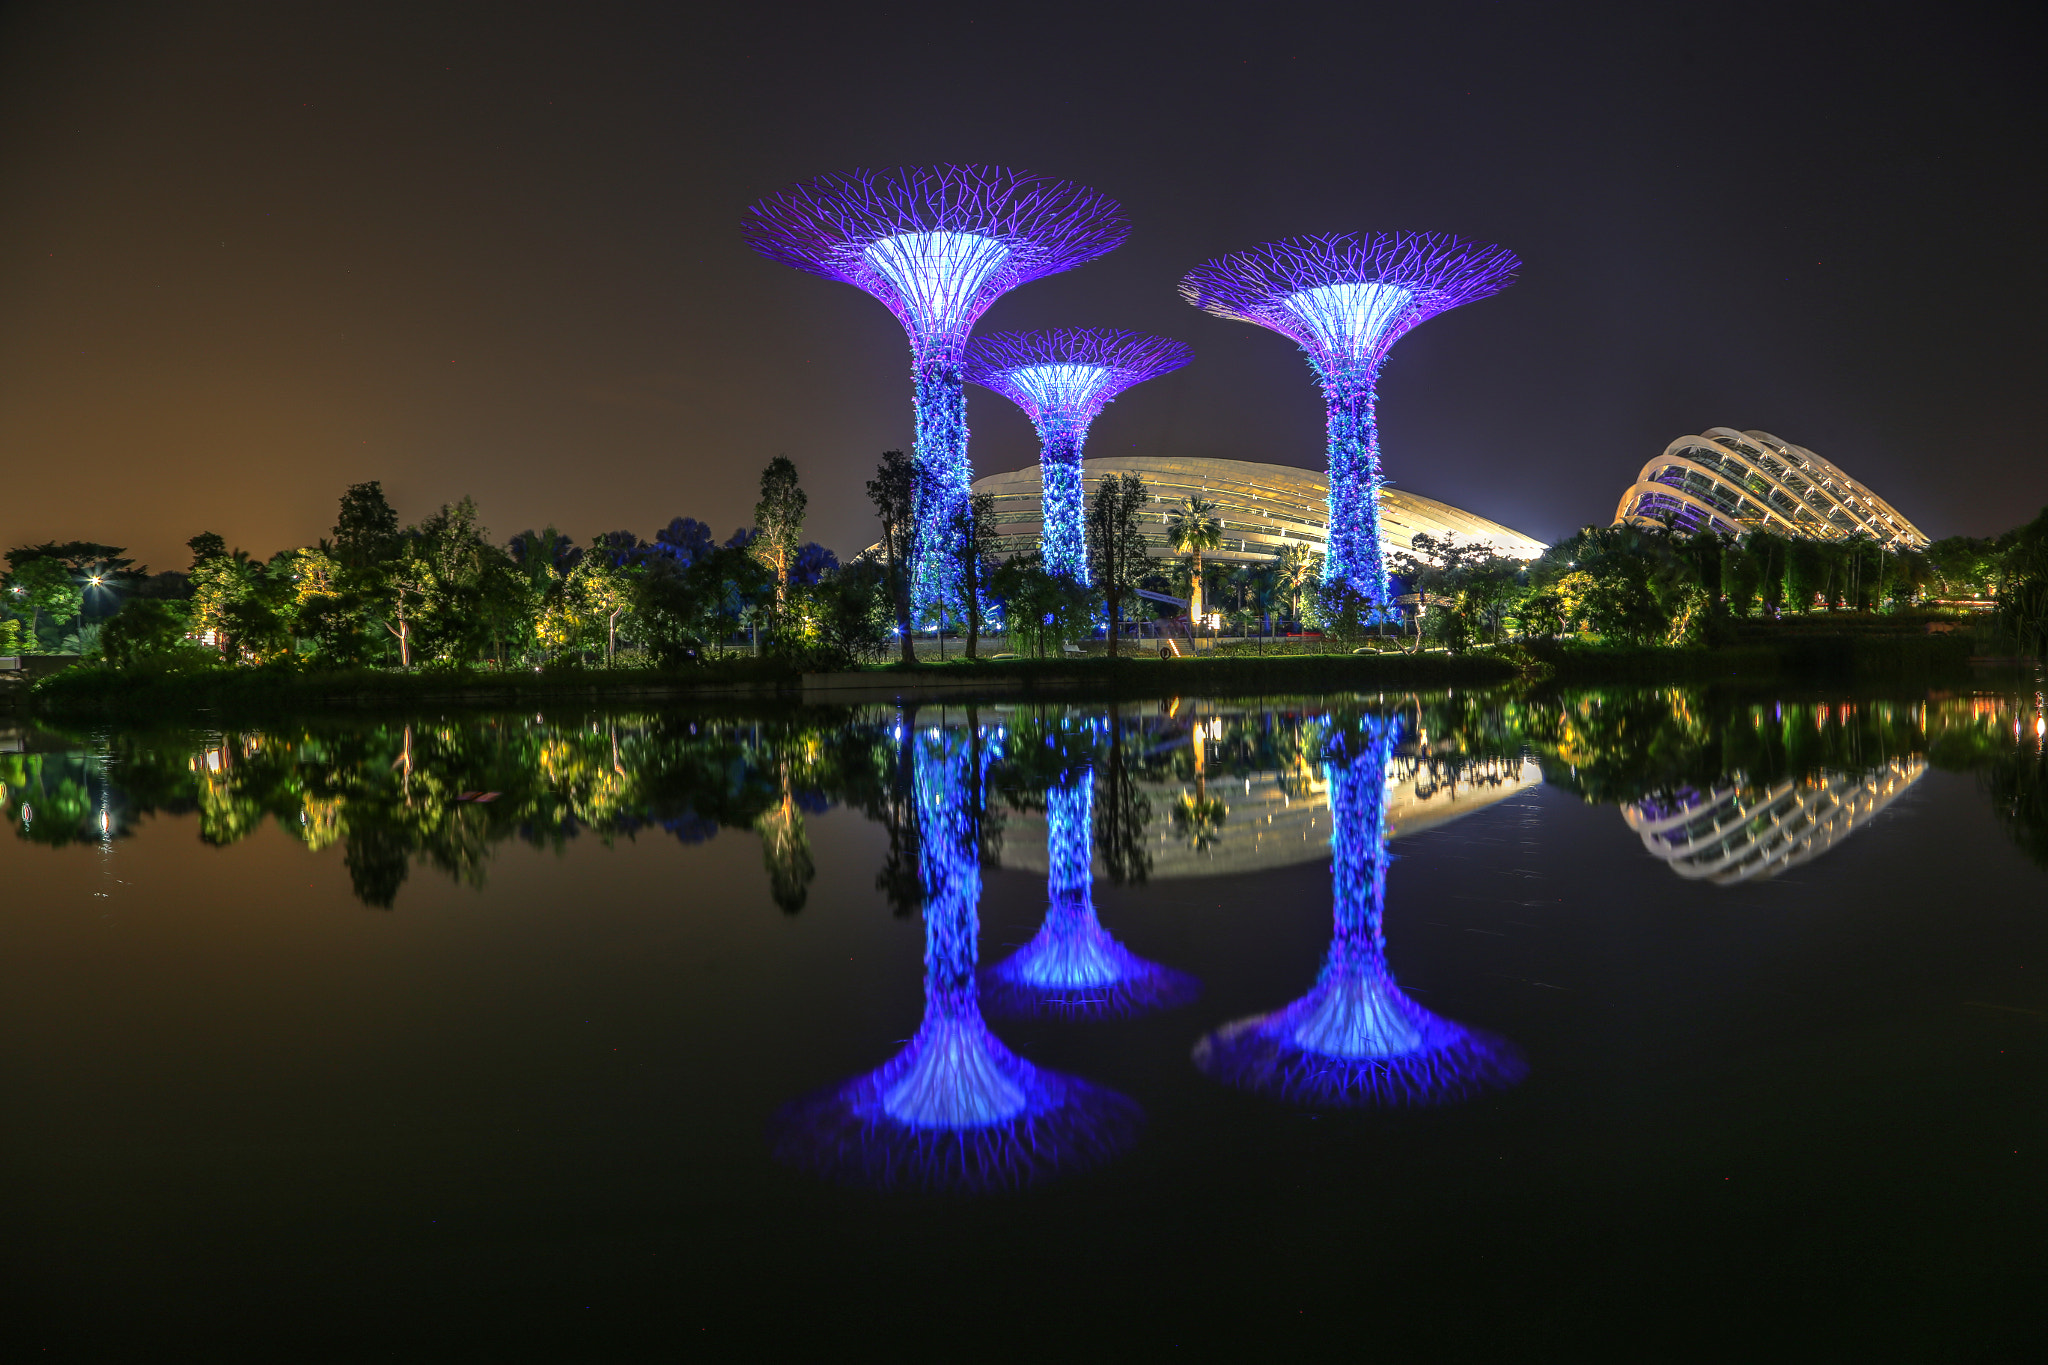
(1073, 966)
(955, 1110)
(1356, 1039)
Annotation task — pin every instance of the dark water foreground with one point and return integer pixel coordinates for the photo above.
(1653, 1024)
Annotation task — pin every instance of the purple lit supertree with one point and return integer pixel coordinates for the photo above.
(955, 1109)
(1063, 379)
(1072, 966)
(1355, 1039)
(937, 245)
(1346, 300)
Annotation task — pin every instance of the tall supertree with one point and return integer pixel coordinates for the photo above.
(1073, 966)
(955, 1109)
(1063, 379)
(937, 245)
(1355, 1039)
(1346, 300)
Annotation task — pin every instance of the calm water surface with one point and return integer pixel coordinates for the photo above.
(1660, 1023)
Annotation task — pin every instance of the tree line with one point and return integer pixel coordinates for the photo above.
(443, 593)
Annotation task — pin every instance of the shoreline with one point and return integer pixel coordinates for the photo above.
(89, 693)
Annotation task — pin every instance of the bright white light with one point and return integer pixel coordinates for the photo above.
(1062, 388)
(939, 275)
(1348, 320)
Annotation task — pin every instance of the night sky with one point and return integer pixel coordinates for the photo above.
(250, 254)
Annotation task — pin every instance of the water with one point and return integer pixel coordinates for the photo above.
(1662, 1022)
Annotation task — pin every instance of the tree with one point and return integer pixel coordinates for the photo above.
(598, 595)
(366, 531)
(1046, 609)
(1299, 567)
(779, 516)
(1190, 530)
(1116, 547)
(45, 587)
(142, 629)
(974, 535)
(893, 491)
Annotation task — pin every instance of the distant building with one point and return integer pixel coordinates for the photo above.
(1263, 507)
(1734, 481)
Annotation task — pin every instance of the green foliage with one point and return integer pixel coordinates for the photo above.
(893, 491)
(779, 516)
(974, 539)
(146, 631)
(1117, 560)
(683, 612)
(1044, 610)
(46, 591)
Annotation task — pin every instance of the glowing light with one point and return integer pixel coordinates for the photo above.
(1062, 380)
(1356, 1039)
(1349, 320)
(1073, 966)
(1345, 300)
(955, 1109)
(939, 276)
(936, 245)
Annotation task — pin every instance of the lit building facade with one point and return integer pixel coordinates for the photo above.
(1732, 481)
(1263, 508)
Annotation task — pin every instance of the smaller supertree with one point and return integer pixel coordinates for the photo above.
(1346, 300)
(936, 245)
(1356, 1039)
(1073, 966)
(1063, 379)
(954, 1110)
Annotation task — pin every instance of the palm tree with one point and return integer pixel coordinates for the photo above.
(1297, 566)
(1190, 529)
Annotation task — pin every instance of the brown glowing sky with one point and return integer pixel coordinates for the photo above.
(252, 253)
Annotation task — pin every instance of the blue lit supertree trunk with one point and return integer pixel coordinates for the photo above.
(1062, 380)
(937, 245)
(1351, 395)
(955, 1109)
(1345, 300)
(1356, 1038)
(1073, 966)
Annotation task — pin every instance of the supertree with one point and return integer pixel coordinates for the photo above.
(1355, 1039)
(1063, 379)
(1072, 966)
(1346, 300)
(955, 1109)
(937, 245)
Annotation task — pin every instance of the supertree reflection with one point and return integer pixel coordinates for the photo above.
(1355, 1039)
(1073, 966)
(955, 1110)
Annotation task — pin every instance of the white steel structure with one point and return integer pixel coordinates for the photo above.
(1733, 481)
(1263, 507)
(1739, 833)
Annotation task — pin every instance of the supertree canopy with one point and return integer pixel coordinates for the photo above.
(1355, 1039)
(937, 245)
(1063, 379)
(955, 1109)
(1346, 300)
(1072, 966)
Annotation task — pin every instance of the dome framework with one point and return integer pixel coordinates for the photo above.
(1730, 481)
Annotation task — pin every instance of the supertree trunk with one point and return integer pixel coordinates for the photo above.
(1065, 541)
(1354, 559)
(944, 477)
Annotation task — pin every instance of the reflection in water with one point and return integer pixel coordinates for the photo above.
(955, 1109)
(1072, 966)
(1736, 832)
(1355, 1039)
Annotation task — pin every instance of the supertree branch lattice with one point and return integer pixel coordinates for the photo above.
(1346, 300)
(937, 245)
(1355, 1038)
(955, 1109)
(1072, 966)
(1063, 379)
